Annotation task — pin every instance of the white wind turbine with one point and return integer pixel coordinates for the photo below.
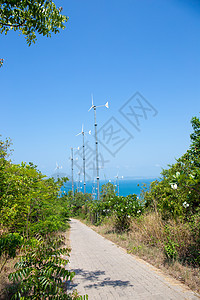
(57, 169)
(83, 134)
(95, 126)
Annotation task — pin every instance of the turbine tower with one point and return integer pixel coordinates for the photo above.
(118, 182)
(72, 168)
(95, 126)
(83, 134)
(79, 187)
(93, 190)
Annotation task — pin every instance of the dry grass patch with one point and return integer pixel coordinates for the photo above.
(4, 281)
(146, 239)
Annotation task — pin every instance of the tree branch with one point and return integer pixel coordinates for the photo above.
(12, 25)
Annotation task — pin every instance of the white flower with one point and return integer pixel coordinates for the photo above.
(174, 186)
(185, 204)
(129, 216)
(138, 211)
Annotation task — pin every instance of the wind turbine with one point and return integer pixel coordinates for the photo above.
(72, 168)
(118, 182)
(95, 126)
(83, 134)
(57, 169)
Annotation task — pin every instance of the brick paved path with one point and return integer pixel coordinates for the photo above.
(105, 271)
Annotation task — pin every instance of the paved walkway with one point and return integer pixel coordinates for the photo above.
(105, 271)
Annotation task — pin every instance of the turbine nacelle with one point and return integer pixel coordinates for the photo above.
(58, 167)
(83, 133)
(94, 106)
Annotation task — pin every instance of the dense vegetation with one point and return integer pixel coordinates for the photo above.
(32, 214)
(166, 216)
(33, 210)
(31, 17)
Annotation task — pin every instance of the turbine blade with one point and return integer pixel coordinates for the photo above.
(100, 105)
(92, 99)
(82, 129)
(90, 108)
(106, 105)
(78, 133)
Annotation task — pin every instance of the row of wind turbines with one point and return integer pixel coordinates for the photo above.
(83, 133)
(94, 107)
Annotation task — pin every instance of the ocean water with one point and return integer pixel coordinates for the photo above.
(126, 186)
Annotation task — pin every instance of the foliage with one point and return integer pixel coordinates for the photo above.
(29, 203)
(124, 208)
(31, 17)
(170, 247)
(41, 270)
(76, 203)
(9, 244)
(108, 191)
(121, 208)
(177, 195)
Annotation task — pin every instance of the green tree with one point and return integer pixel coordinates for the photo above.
(31, 17)
(177, 195)
(108, 191)
(29, 203)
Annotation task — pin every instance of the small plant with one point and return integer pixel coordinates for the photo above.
(170, 250)
(41, 271)
(170, 247)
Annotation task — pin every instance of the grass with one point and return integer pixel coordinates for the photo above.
(147, 239)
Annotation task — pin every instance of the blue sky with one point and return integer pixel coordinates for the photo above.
(112, 49)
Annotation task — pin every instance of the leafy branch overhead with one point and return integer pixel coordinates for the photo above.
(31, 17)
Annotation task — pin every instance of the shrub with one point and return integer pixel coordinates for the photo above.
(41, 270)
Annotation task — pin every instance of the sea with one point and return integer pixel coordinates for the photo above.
(126, 186)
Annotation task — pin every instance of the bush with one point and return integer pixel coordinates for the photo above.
(177, 195)
(41, 270)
